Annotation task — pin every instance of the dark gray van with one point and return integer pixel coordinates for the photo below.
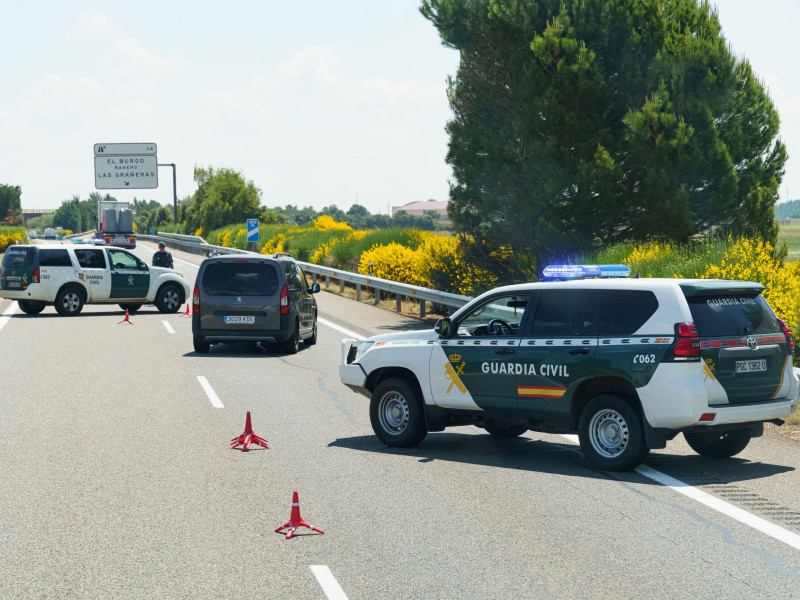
(253, 298)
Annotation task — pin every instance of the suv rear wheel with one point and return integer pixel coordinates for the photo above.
(611, 434)
(506, 432)
(722, 444)
(200, 345)
(30, 308)
(69, 301)
(396, 414)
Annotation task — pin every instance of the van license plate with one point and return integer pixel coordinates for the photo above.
(751, 366)
(247, 320)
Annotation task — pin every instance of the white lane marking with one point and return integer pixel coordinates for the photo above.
(212, 395)
(339, 328)
(6, 316)
(328, 582)
(734, 512)
(168, 326)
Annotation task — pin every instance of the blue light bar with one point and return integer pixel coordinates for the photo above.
(580, 271)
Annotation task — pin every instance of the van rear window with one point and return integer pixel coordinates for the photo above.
(720, 316)
(16, 258)
(240, 279)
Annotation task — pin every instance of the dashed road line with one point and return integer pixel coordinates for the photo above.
(328, 582)
(339, 328)
(212, 395)
(6, 316)
(168, 326)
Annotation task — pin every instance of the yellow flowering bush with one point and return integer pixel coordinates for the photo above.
(321, 253)
(275, 244)
(441, 267)
(754, 260)
(9, 238)
(392, 261)
(224, 238)
(327, 222)
(198, 231)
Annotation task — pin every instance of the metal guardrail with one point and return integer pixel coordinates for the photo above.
(197, 245)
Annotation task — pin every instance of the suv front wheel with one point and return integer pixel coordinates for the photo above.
(396, 414)
(722, 444)
(611, 434)
(169, 298)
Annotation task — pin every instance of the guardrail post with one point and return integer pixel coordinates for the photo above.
(341, 286)
(327, 281)
(398, 304)
(358, 291)
(422, 308)
(377, 296)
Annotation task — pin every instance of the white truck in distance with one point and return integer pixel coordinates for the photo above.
(115, 224)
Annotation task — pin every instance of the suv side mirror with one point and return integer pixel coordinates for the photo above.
(314, 288)
(444, 327)
(142, 266)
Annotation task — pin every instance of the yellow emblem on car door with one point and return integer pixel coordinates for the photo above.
(453, 374)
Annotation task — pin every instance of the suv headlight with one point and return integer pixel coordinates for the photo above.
(361, 348)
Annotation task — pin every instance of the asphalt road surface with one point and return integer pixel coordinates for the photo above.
(117, 480)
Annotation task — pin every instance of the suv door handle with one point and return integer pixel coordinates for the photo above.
(579, 351)
(505, 351)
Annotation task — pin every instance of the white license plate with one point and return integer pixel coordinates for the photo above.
(13, 284)
(247, 320)
(751, 366)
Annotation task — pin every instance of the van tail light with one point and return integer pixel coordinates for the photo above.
(788, 333)
(284, 300)
(35, 275)
(688, 343)
(196, 300)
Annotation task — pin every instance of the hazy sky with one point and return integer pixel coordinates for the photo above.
(316, 102)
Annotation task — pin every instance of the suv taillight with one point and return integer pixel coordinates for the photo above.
(35, 275)
(788, 333)
(196, 300)
(688, 343)
(284, 300)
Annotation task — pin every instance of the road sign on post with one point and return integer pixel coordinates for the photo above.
(125, 166)
(252, 230)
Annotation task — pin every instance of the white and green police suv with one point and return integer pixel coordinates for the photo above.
(69, 276)
(628, 363)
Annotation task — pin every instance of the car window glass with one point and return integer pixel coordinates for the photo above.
(499, 316)
(720, 316)
(89, 258)
(225, 278)
(623, 312)
(123, 260)
(562, 313)
(54, 258)
(18, 257)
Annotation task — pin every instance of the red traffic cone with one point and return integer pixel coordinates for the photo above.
(188, 312)
(127, 318)
(248, 437)
(295, 520)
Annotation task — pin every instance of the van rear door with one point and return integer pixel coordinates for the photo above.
(742, 344)
(240, 295)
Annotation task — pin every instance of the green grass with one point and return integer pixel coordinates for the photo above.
(790, 235)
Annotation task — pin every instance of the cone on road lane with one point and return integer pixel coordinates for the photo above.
(248, 437)
(188, 313)
(295, 520)
(127, 318)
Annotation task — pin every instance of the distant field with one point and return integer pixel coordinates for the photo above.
(790, 234)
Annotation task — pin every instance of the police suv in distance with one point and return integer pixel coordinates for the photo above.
(627, 363)
(69, 276)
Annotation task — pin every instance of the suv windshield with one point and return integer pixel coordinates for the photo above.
(732, 315)
(18, 257)
(244, 278)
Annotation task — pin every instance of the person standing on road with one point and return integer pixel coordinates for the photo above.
(162, 258)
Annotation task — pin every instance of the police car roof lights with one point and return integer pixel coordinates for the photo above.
(582, 271)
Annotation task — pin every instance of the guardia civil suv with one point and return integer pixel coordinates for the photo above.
(626, 363)
(69, 276)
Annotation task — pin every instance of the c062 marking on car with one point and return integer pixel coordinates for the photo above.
(644, 359)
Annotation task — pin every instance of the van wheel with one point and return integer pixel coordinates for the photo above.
(721, 444)
(30, 308)
(310, 341)
(169, 298)
(200, 345)
(131, 308)
(69, 301)
(292, 345)
(396, 414)
(611, 434)
(506, 432)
